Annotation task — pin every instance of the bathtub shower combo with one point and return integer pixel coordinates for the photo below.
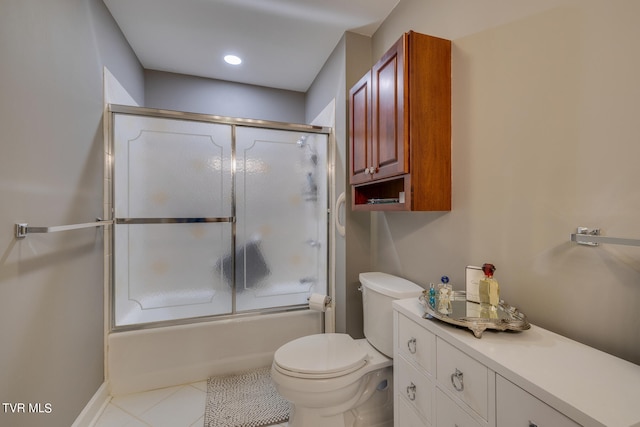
(214, 218)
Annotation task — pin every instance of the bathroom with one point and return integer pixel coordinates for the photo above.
(544, 140)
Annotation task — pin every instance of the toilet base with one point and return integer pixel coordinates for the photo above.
(373, 408)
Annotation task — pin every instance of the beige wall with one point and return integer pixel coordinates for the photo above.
(51, 163)
(348, 62)
(545, 139)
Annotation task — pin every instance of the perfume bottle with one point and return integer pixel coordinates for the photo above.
(489, 289)
(432, 295)
(445, 293)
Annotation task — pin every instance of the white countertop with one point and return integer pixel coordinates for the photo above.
(590, 386)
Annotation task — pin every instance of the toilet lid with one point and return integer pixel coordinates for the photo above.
(321, 356)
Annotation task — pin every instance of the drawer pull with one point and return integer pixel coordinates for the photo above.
(532, 424)
(411, 345)
(457, 380)
(411, 391)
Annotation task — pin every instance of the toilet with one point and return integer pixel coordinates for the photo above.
(333, 380)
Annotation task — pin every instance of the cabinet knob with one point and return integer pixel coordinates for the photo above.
(457, 380)
(411, 345)
(372, 170)
(411, 391)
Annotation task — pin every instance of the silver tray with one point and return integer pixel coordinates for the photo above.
(456, 310)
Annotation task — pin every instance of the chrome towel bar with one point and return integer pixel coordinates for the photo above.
(591, 237)
(22, 229)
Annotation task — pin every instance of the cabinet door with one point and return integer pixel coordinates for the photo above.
(414, 388)
(360, 131)
(416, 344)
(463, 376)
(407, 416)
(517, 408)
(390, 139)
(448, 414)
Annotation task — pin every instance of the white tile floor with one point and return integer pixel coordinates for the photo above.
(180, 406)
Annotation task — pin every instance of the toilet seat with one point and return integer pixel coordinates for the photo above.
(320, 356)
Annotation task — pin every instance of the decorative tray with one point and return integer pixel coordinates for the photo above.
(456, 310)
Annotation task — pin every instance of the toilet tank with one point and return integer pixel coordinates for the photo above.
(378, 291)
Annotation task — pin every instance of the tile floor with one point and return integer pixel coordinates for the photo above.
(180, 406)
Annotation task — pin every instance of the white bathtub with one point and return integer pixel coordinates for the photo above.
(162, 357)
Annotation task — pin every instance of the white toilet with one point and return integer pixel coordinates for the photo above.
(333, 380)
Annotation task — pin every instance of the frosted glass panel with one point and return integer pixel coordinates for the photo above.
(281, 209)
(170, 271)
(167, 168)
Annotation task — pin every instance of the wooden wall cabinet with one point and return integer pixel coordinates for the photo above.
(400, 128)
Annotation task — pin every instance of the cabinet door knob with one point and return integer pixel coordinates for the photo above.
(457, 380)
(411, 345)
(372, 170)
(411, 391)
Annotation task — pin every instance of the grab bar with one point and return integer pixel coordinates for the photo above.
(591, 237)
(22, 229)
(131, 221)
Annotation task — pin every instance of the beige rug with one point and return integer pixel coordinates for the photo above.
(248, 399)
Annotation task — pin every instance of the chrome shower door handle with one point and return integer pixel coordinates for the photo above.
(411, 345)
(457, 380)
(411, 392)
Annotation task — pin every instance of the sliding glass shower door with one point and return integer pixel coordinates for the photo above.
(214, 218)
(281, 211)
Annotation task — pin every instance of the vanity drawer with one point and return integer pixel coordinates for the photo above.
(414, 388)
(463, 376)
(408, 417)
(517, 408)
(416, 343)
(449, 414)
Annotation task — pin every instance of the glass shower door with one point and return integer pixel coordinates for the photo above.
(281, 217)
(173, 218)
(214, 216)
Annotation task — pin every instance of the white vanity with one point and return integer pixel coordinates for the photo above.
(446, 377)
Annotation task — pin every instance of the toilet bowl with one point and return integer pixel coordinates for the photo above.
(333, 380)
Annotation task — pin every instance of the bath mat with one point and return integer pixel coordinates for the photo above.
(248, 399)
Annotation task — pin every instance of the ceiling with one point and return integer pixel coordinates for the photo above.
(283, 43)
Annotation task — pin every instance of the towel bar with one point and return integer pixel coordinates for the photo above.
(592, 237)
(22, 229)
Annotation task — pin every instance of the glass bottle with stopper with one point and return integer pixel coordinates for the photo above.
(488, 288)
(445, 293)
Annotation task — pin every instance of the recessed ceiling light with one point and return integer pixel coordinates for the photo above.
(232, 59)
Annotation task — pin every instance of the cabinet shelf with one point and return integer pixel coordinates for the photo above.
(378, 195)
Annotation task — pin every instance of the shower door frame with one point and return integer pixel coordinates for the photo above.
(109, 207)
